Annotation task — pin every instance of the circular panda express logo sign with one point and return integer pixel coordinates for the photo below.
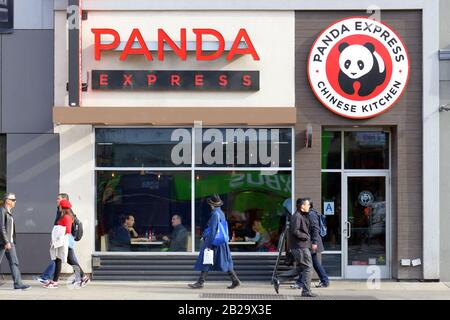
(358, 67)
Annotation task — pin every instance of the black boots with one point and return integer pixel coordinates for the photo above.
(235, 281)
(196, 285)
(200, 281)
(234, 284)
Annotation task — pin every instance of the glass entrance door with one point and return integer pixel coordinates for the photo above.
(365, 228)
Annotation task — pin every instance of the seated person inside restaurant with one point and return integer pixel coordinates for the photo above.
(130, 225)
(178, 239)
(120, 237)
(262, 237)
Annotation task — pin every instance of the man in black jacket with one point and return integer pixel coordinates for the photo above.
(314, 217)
(8, 240)
(300, 244)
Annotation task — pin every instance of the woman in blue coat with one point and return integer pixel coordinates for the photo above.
(222, 255)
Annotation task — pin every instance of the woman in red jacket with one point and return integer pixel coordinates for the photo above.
(65, 220)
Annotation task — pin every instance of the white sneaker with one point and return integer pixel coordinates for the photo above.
(51, 285)
(41, 280)
(84, 281)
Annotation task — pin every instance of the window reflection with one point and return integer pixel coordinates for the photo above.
(248, 147)
(331, 208)
(150, 210)
(366, 150)
(331, 149)
(253, 205)
(151, 199)
(141, 147)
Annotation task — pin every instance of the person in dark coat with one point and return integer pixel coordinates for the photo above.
(120, 237)
(8, 240)
(222, 254)
(314, 217)
(179, 237)
(300, 243)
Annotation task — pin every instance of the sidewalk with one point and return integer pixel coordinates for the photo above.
(157, 290)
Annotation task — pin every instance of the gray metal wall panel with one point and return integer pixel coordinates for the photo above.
(33, 14)
(1, 88)
(33, 254)
(27, 81)
(444, 71)
(33, 174)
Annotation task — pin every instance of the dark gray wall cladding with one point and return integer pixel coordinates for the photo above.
(33, 14)
(33, 175)
(33, 253)
(1, 40)
(27, 81)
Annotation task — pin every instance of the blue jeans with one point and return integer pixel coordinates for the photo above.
(318, 268)
(49, 272)
(11, 255)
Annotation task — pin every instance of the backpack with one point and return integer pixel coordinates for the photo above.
(77, 229)
(322, 225)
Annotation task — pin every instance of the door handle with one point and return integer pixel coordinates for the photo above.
(347, 229)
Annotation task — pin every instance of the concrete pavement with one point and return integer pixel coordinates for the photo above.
(157, 290)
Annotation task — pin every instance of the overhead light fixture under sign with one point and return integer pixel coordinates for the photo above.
(308, 136)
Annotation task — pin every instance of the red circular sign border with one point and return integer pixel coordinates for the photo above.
(393, 103)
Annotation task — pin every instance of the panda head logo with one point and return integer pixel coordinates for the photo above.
(362, 64)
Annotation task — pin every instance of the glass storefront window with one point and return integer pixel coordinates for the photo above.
(139, 147)
(331, 207)
(253, 205)
(152, 198)
(331, 149)
(247, 147)
(144, 176)
(366, 150)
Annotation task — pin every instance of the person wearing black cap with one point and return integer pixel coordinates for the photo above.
(222, 254)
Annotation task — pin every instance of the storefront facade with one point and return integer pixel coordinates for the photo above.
(234, 111)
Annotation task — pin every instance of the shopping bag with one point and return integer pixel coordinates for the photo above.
(208, 256)
(222, 234)
(58, 234)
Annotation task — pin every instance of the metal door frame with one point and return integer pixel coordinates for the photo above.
(359, 272)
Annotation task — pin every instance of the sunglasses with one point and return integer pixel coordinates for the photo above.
(13, 200)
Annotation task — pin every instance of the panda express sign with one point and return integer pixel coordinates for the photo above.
(358, 67)
(174, 79)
